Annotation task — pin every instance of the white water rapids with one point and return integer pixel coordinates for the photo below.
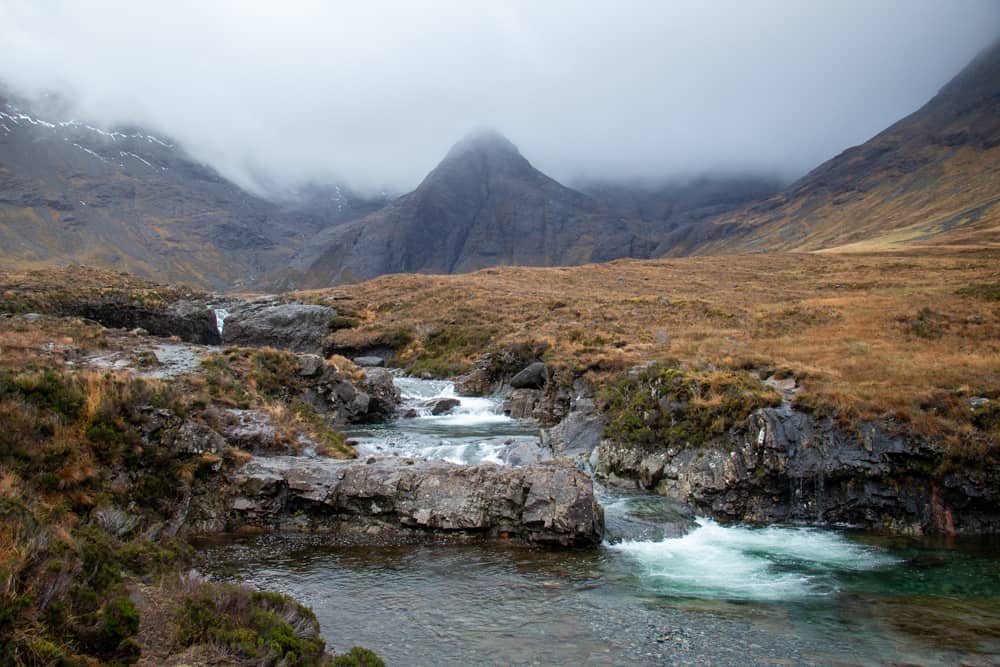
(474, 431)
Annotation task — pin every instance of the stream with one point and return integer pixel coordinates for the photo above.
(665, 587)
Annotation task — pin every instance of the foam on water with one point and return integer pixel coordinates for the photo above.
(474, 431)
(772, 563)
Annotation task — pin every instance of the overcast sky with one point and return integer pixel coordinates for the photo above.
(373, 93)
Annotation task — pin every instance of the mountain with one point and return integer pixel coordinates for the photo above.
(483, 205)
(930, 179)
(125, 198)
(678, 204)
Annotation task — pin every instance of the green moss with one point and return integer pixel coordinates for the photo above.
(662, 406)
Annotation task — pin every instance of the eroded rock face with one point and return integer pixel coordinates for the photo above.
(785, 465)
(543, 504)
(190, 320)
(289, 326)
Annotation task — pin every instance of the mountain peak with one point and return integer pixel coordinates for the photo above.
(483, 141)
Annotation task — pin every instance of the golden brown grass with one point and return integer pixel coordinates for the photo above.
(869, 334)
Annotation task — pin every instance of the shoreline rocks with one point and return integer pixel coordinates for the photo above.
(784, 466)
(388, 498)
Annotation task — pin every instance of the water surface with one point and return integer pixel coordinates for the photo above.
(666, 588)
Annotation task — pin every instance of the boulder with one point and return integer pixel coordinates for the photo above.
(297, 327)
(382, 392)
(310, 365)
(369, 361)
(544, 504)
(531, 377)
(579, 433)
(522, 403)
(250, 430)
(441, 406)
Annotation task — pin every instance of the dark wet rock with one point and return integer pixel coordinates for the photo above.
(646, 518)
(531, 377)
(477, 382)
(290, 326)
(369, 361)
(442, 406)
(192, 321)
(384, 396)
(540, 504)
(783, 465)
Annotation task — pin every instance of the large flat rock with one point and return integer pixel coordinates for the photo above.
(546, 504)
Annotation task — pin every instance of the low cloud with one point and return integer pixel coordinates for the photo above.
(274, 94)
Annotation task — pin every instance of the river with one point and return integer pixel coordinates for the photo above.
(663, 589)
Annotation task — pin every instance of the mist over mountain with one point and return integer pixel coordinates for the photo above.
(370, 95)
(129, 199)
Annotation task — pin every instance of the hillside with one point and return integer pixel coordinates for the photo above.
(127, 199)
(483, 205)
(929, 179)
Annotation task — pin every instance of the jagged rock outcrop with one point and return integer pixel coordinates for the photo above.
(297, 327)
(784, 465)
(345, 400)
(393, 499)
(191, 320)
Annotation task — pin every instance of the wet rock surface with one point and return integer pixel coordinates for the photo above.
(291, 326)
(543, 504)
(787, 466)
(192, 320)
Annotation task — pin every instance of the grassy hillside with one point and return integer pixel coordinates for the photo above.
(930, 179)
(912, 336)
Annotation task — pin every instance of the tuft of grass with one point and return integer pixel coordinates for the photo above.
(339, 322)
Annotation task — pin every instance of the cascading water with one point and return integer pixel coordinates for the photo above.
(473, 431)
(665, 587)
(220, 318)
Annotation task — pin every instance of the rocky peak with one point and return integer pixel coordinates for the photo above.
(482, 154)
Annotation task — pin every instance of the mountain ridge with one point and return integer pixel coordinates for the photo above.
(929, 178)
